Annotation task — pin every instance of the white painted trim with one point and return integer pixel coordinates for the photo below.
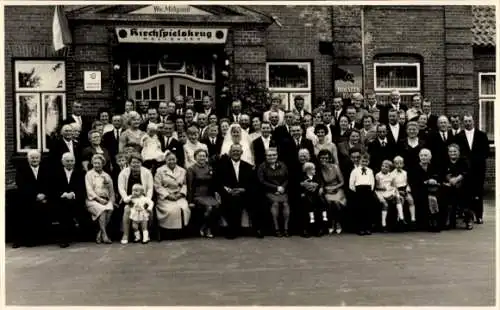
(166, 74)
(479, 84)
(285, 89)
(393, 64)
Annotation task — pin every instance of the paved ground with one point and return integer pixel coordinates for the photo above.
(415, 269)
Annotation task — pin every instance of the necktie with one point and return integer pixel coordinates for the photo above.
(383, 143)
(363, 171)
(297, 142)
(168, 141)
(117, 134)
(444, 137)
(213, 141)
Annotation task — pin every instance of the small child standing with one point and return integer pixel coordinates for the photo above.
(401, 183)
(141, 208)
(362, 183)
(386, 192)
(151, 148)
(310, 194)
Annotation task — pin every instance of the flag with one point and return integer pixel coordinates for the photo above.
(61, 35)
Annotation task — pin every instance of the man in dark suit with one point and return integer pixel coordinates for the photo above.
(290, 147)
(168, 142)
(395, 132)
(475, 147)
(438, 141)
(180, 107)
(213, 143)
(263, 143)
(394, 104)
(163, 114)
(111, 139)
(432, 119)
(32, 211)
(142, 109)
(351, 115)
(208, 106)
(298, 103)
(62, 145)
(68, 197)
(282, 132)
(152, 117)
(77, 117)
(456, 127)
(236, 180)
(381, 149)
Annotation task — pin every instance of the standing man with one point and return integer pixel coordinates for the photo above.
(338, 111)
(299, 103)
(236, 107)
(395, 103)
(64, 144)
(438, 141)
(431, 118)
(152, 118)
(179, 106)
(111, 139)
(395, 131)
(143, 111)
(77, 117)
(475, 147)
(208, 107)
(168, 142)
(162, 112)
(202, 125)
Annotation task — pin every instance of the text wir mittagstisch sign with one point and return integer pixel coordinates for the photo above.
(172, 35)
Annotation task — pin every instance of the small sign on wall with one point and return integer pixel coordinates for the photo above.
(348, 80)
(92, 81)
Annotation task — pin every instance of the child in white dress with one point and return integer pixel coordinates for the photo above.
(140, 211)
(151, 148)
(386, 192)
(401, 183)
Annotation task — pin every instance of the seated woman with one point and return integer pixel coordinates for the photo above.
(332, 192)
(172, 208)
(424, 182)
(273, 177)
(100, 196)
(201, 192)
(456, 196)
(95, 139)
(135, 173)
(321, 144)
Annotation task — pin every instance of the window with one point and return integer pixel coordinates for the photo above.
(405, 77)
(40, 94)
(487, 103)
(288, 80)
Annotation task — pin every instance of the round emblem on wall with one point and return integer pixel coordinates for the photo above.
(122, 33)
(92, 76)
(219, 34)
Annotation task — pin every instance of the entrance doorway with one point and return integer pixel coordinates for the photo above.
(160, 76)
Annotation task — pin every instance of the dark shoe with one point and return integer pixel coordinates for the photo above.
(63, 245)
(259, 234)
(384, 229)
(361, 233)
(368, 232)
(16, 245)
(278, 234)
(469, 226)
(286, 234)
(305, 234)
(479, 221)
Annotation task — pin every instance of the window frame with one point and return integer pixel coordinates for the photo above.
(482, 98)
(481, 95)
(395, 64)
(292, 89)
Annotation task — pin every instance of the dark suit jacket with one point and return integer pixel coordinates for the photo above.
(432, 122)
(259, 152)
(379, 153)
(60, 184)
(401, 136)
(58, 148)
(478, 154)
(175, 146)
(213, 149)
(336, 119)
(28, 187)
(281, 134)
(111, 144)
(289, 151)
(225, 176)
(384, 112)
(438, 147)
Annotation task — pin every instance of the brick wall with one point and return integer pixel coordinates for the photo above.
(298, 39)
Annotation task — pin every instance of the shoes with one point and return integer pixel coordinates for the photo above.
(259, 234)
(278, 234)
(469, 226)
(124, 241)
(361, 233)
(16, 245)
(137, 236)
(368, 232)
(286, 234)
(305, 234)
(479, 221)
(64, 245)
(145, 237)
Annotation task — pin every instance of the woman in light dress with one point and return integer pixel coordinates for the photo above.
(100, 196)
(236, 135)
(132, 135)
(172, 208)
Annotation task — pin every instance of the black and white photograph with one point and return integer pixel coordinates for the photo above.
(250, 154)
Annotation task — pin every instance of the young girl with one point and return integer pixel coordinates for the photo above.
(386, 192)
(401, 183)
(310, 187)
(141, 208)
(151, 148)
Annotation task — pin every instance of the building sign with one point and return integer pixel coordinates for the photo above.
(170, 10)
(92, 81)
(348, 80)
(171, 35)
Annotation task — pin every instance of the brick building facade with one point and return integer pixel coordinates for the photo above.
(443, 52)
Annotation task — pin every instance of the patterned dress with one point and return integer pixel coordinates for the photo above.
(99, 185)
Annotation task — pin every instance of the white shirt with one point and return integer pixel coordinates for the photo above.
(117, 133)
(456, 131)
(69, 144)
(35, 171)
(469, 134)
(78, 119)
(236, 117)
(336, 114)
(213, 140)
(395, 106)
(236, 166)
(68, 174)
(413, 142)
(400, 178)
(395, 131)
(383, 142)
(357, 178)
(444, 135)
(266, 142)
(207, 112)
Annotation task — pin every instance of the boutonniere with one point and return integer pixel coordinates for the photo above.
(210, 171)
(173, 149)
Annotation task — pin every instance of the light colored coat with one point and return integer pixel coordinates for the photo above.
(146, 180)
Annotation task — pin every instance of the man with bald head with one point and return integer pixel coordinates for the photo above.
(236, 179)
(179, 106)
(67, 196)
(394, 103)
(64, 144)
(162, 112)
(439, 140)
(236, 107)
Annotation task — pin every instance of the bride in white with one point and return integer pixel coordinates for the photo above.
(234, 135)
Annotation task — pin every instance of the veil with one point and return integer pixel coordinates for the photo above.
(245, 144)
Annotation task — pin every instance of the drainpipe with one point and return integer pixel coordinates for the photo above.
(363, 47)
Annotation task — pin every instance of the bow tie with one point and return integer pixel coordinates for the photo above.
(363, 171)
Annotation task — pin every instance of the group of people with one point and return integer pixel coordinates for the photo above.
(357, 166)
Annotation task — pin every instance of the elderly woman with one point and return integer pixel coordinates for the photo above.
(423, 130)
(273, 177)
(332, 182)
(201, 192)
(100, 196)
(224, 127)
(172, 209)
(132, 135)
(343, 132)
(135, 173)
(77, 131)
(423, 179)
(95, 138)
(410, 147)
(322, 144)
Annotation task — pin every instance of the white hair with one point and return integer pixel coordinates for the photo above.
(33, 152)
(67, 155)
(425, 151)
(443, 117)
(67, 126)
(395, 92)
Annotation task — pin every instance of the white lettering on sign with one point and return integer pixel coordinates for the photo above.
(170, 10)
(171, 35)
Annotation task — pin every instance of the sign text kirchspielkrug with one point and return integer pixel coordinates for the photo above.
(171, 35)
